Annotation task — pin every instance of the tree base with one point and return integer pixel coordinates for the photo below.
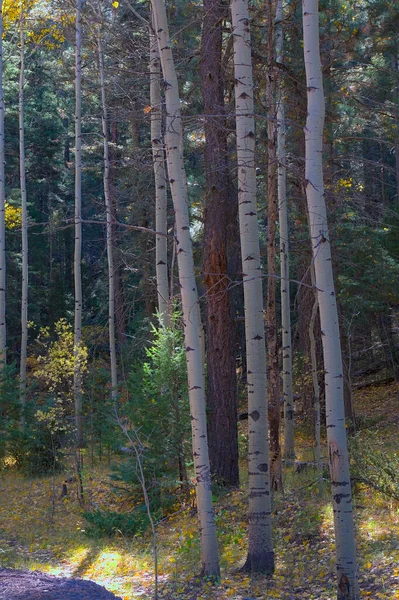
(211, 574)
(261, 563)
(347, 590)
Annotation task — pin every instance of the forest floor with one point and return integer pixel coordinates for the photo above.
(39, 530)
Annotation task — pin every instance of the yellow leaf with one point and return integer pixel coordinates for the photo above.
(115, 4)
(147, 109)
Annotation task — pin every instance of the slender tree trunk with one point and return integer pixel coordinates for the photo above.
(77, 378)
(260, 551)
(350, 416)
(189, 295)
(316, 387)
(220, 210)
(120, 320)
(289, 448)
(397, 123)
(347, 588)
(3, 341)
(272, 215)
(24, 252)
(178, 442)
(108, 207)
(161, 224)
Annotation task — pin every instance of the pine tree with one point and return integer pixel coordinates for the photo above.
(272, 215)
(219, 226)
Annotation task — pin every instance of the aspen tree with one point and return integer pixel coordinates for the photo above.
(77, 379)
(161, 224)
(108, 208)
(24, 252)
(347, 588)
(260, 545)
(189, 295)
(3, 341)
(289, 448)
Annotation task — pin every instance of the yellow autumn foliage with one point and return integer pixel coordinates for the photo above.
(13, 217)
(12, 10)
(50, 32)
(56, 364)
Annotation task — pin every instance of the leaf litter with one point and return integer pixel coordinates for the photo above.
(39, 530)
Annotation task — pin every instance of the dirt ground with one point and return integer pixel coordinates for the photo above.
(33, 585)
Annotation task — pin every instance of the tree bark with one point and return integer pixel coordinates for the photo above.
(77, 378)
(272, 215)
(24, 251)
(3, 340)
(350, 416)
(260, 545)
(220, 211)
(120, 320)
(289, 447)
(161, 224)
(108, 207)
(347, 585)
(316, 387)
(397, 124)
(189, 295)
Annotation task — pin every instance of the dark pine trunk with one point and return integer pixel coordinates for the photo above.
(220, 213)
(272, 217)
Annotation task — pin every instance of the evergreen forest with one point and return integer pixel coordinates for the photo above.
(199, 299)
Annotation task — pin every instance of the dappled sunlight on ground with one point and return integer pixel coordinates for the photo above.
(41, 530)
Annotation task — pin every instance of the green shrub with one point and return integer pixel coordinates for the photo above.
(373, 466)
(41, 449)
(102, 523)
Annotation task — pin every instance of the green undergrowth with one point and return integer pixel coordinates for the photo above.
(42, 529)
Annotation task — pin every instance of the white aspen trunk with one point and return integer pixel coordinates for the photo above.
(316, 387)
(347, 588)
(260, 545)
(24, 252)
(289, 447)
(201, 325)
(108, 207)
(77, 379)
(161, 226)
(189, 295)
(3, 340)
